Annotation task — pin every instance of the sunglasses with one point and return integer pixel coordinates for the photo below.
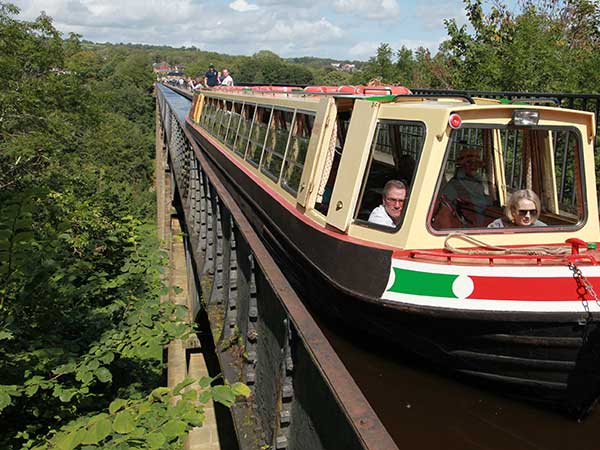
(524, 212)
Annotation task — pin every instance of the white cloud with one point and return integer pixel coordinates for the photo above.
(113, 13)
(319, 31)
(242, 6)
(326, 28)
(373, 10)
(433, 14)
(363, 50)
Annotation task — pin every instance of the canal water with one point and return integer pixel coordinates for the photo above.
(425, 410)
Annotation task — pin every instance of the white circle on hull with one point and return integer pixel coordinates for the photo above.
(463, 287)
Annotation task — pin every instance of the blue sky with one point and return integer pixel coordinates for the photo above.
(339, 29)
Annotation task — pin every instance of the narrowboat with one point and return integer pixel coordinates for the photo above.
(486, 264)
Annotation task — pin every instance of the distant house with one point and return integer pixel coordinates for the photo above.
(161, 68)
(344, 67)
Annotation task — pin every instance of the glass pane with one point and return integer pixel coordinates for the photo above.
(542, 175)
(232, 130)
(224, 122)
(297, 150)
(272, 163)
(217, 121)
(277, 139)
(293, 176)
(244, 130)
(258, 134)
(565, 144)
(207, 112)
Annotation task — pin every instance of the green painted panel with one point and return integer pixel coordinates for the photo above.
(423, 283)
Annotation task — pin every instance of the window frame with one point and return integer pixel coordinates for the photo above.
(277, 178)
(511, 230)
(282, 182)
(234, 103)
(366, 223)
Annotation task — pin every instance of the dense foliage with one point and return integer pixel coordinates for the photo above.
(546, 46)
(81, 325)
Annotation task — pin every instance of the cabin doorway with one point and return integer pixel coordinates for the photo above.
(395, 154)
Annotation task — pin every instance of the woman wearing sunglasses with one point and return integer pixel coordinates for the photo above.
(522, 210)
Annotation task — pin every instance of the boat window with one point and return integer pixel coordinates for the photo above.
(332, 163)
(258, 134)
(395, 153)
(225, 117)
(234, 124)
(277, 141)
(539, 164)
(216, 113)
(565, 156)
(296, 152)
(208, 112)
(241, 142)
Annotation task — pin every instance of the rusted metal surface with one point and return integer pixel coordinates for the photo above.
(303, 396)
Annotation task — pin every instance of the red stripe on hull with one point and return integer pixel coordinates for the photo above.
(528, 289)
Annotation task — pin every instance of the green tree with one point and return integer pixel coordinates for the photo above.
(81, 325)
(379, 67)
(266, 67)
(547, 46)
(405, 66)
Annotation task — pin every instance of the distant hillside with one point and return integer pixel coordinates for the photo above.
(262, 67)
(322, 63)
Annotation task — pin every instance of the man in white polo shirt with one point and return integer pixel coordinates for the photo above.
(390, 211)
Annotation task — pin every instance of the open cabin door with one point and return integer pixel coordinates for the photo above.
(319, 144)
(353, 163)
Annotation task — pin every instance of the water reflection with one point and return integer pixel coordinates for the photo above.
(428, 411)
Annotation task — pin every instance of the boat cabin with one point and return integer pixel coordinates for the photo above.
(329, 153)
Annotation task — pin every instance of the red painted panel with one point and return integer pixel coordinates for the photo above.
(532, 289)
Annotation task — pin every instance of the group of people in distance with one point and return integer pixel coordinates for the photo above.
(213, 78)
(522, 209)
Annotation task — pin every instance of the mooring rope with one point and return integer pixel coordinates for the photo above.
(488, 249)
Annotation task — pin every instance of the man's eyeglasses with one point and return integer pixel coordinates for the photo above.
(524, 212)
(395, 200)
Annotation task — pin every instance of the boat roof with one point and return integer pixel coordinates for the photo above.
(399, 95)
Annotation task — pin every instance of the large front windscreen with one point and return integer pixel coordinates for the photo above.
(518, 178)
